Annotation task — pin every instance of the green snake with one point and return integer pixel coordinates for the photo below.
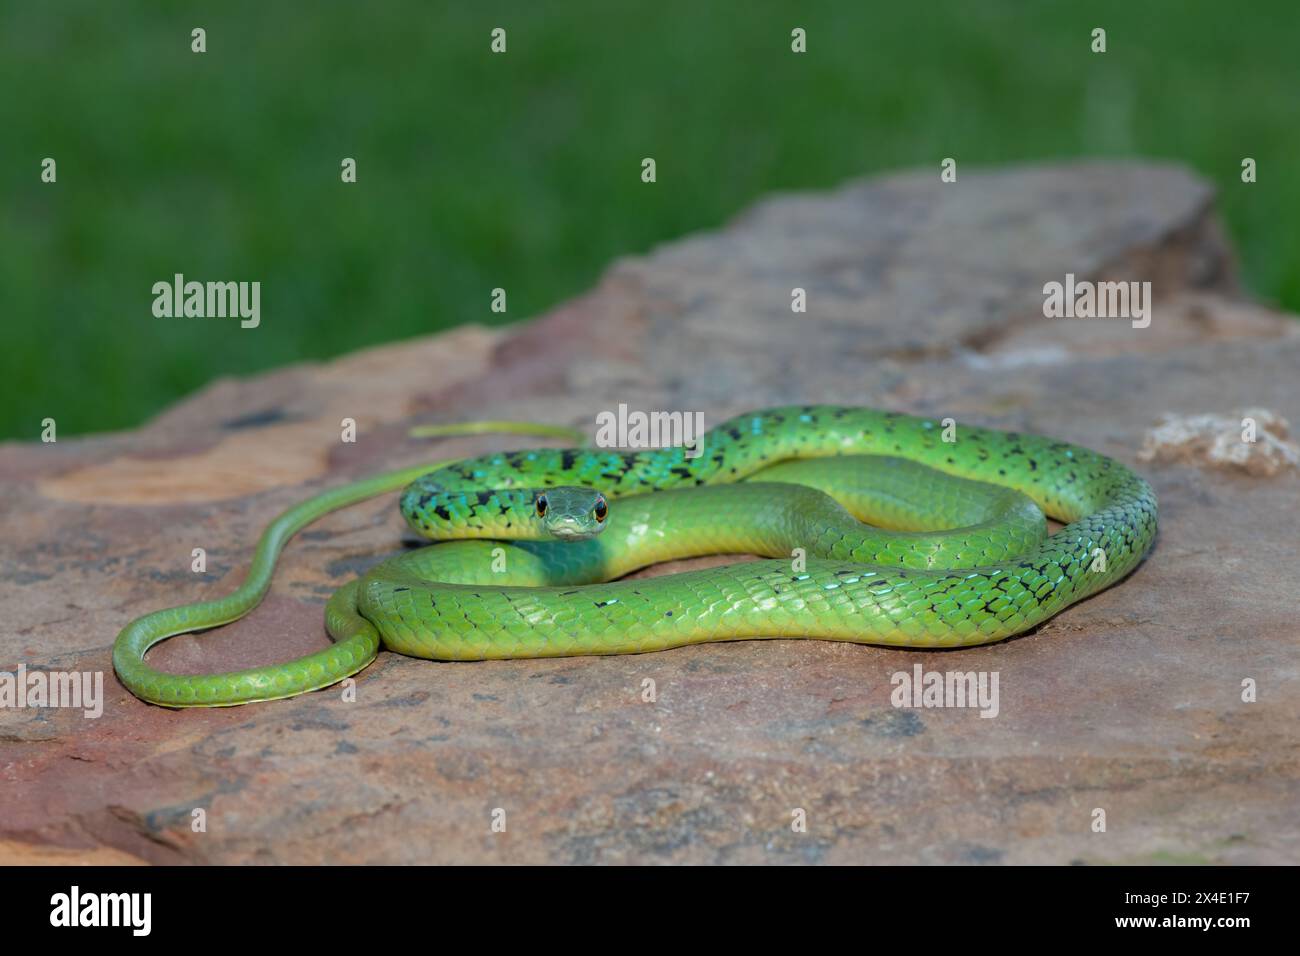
(877, 528)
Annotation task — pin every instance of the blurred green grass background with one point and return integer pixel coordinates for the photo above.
(522, 171)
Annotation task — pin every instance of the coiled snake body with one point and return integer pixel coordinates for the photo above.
(794, 484)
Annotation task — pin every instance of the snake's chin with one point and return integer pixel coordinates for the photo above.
(572, 533)
(572, 528)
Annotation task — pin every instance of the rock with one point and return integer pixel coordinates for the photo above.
(920, 296)
(1221, 440)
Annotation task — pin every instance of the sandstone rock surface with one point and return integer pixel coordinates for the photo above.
(921, 297)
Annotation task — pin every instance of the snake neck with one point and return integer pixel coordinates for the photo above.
(433, 511)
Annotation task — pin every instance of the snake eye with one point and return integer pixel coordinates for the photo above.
(601, 509)
(541, 506)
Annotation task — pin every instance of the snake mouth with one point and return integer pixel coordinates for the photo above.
(572, 528)
(570, 531)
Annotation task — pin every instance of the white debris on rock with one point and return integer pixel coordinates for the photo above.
(1224, 441)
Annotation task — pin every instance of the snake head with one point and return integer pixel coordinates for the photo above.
(569, 512)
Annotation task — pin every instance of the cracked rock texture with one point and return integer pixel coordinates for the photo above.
(922, 297)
